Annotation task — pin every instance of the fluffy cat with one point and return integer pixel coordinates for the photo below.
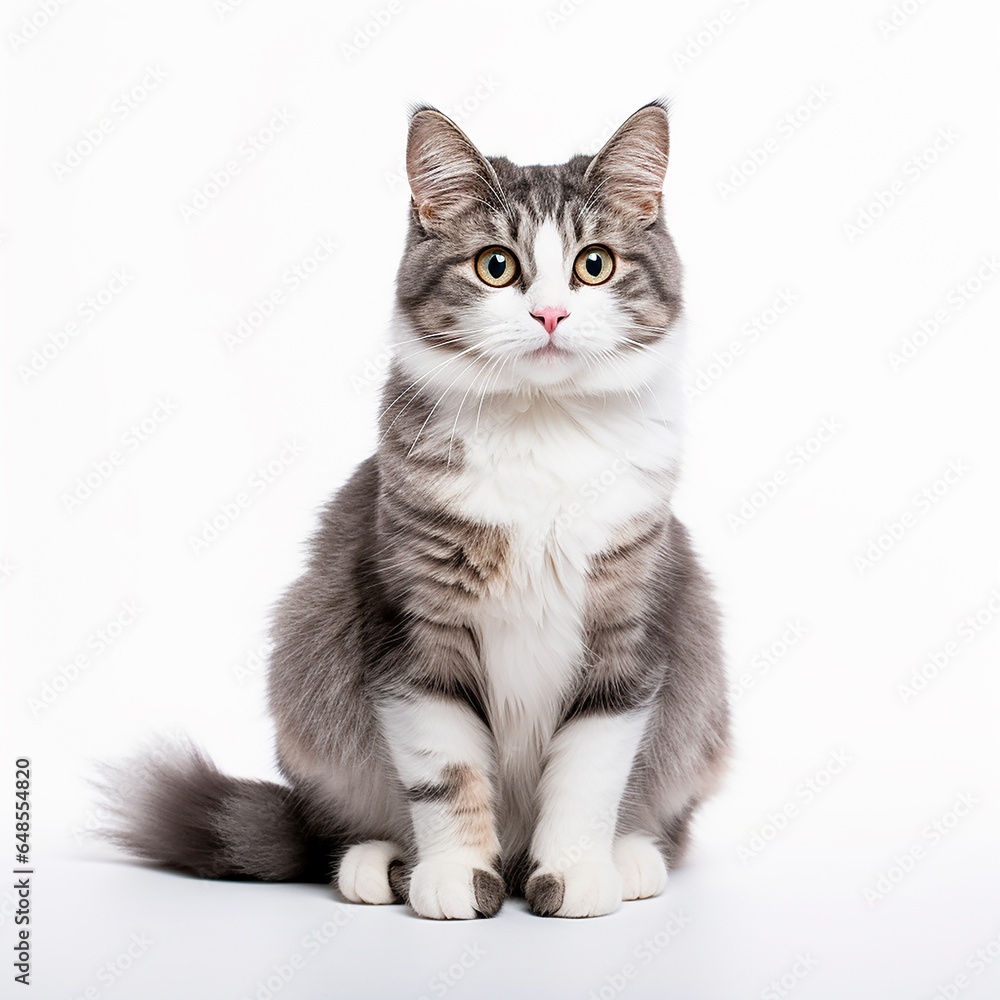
(500, 672)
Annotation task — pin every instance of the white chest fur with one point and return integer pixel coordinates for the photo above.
(561, 480)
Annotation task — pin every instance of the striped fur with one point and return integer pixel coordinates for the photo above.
(501, 669)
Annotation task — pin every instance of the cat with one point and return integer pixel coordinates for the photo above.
(500, 673)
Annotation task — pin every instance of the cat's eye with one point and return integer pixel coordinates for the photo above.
(497, 266)
(594, 265)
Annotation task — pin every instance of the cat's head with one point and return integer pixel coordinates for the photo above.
(561, 279)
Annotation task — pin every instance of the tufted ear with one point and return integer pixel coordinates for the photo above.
(627, 173)
(448, 176)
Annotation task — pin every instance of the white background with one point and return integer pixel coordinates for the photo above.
(537, 85)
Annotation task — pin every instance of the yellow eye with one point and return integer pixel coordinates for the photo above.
(594, 265)
(497, 266)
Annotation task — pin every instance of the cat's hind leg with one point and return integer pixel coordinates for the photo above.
(641, 865)
(363, 875)
(676, 834)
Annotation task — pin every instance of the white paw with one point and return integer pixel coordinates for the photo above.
(586, 889)
(363, 876)
(446, 890)
(640, 863)
(591, 888)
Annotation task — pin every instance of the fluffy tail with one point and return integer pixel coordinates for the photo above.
(173, 807)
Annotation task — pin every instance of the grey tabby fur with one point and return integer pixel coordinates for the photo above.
(387, 606)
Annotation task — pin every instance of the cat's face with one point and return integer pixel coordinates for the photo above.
(561, 279)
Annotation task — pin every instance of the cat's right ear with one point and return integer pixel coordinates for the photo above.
(448, 175)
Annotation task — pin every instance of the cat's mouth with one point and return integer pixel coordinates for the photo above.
(551, 352)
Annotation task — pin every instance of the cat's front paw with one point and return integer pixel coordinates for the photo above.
(586, 889)
(449, 890)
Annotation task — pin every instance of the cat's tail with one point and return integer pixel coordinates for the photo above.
(170, 805)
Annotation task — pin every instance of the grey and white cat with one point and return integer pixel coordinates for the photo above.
(500, 672)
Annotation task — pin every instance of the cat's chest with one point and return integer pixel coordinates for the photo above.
(561, 485)
(561, 489)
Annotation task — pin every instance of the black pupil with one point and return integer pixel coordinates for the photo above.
(496, 265)
(594, 264)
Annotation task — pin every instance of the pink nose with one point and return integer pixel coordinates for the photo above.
(549, 316)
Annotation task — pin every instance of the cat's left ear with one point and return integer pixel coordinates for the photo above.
(627, 173)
